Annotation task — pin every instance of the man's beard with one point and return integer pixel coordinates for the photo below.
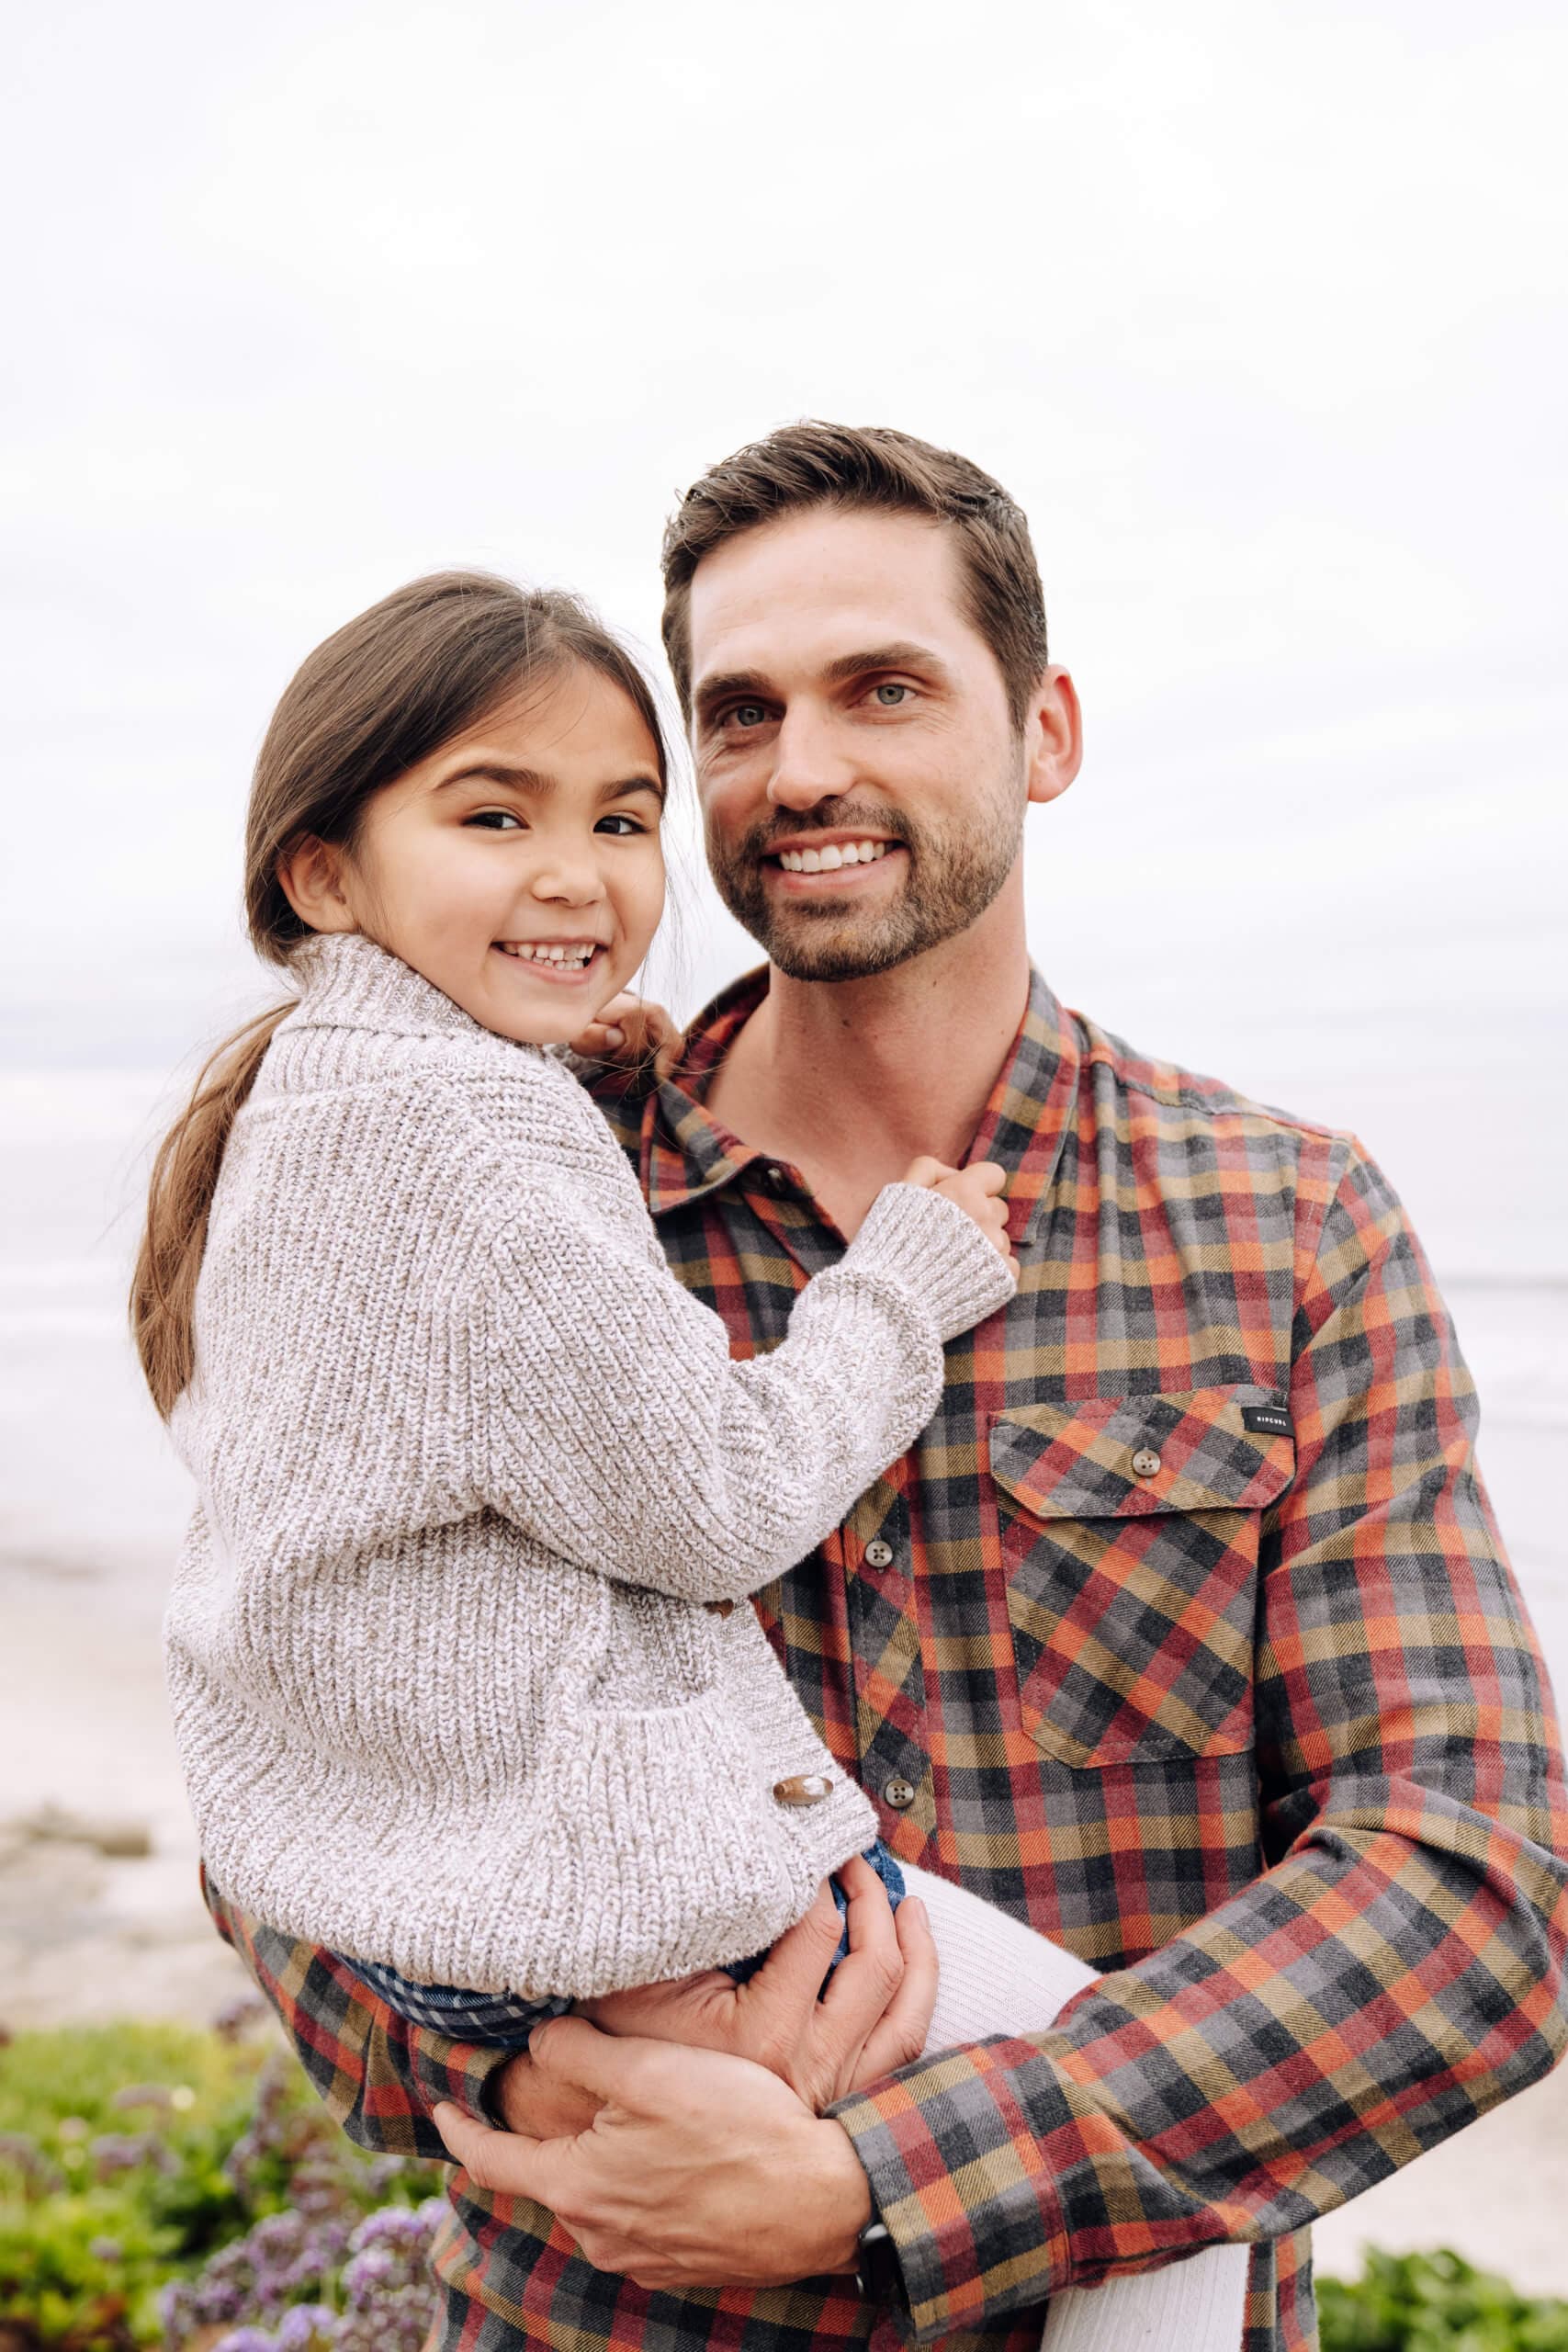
(950, 880)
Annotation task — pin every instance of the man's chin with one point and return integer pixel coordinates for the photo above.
(832, 939)
(823, 949)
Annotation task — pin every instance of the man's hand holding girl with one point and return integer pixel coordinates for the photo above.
(639, 2108)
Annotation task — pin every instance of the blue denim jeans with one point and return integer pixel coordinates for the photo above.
(504, 2019)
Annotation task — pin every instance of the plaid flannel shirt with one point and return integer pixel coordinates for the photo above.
(1187, 1625)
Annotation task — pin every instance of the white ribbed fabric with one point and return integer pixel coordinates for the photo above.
(998, 1977)
(469, 1463)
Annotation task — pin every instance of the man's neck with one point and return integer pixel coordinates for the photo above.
(849, 1080)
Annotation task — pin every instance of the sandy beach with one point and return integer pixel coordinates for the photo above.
(99, 1909)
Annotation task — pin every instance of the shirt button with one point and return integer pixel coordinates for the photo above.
(878, 1553)
(899, 1794)
(1146, 1463)
(803, 1788)
(777, 1180)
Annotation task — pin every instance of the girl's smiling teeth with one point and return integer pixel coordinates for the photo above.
(829, 859)
(564, 955)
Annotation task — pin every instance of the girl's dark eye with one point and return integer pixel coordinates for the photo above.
(625, 826)
(890, 693)
(495, 819)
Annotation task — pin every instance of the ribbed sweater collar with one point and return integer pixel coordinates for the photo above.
(347, 982)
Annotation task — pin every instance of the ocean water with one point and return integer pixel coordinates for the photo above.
(93, 1501)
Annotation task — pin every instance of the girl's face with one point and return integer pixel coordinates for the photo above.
(518, 868)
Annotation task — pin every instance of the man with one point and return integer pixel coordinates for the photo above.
(1183, 1634)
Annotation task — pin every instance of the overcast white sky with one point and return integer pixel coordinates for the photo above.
(1255, 307)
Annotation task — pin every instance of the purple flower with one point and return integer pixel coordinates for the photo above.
(278, 2233)
(368, 2271)
(304, 2325)
(19, 2149)
(393, 2224)
(218, 2301)
(116, 2151)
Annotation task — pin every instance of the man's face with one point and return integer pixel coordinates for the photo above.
(863, 786)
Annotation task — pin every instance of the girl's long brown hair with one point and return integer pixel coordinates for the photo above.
(382, 693)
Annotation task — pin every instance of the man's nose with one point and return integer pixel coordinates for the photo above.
(810, 764)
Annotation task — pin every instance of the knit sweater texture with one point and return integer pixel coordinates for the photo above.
(470, 1465)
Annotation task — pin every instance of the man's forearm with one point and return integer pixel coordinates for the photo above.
(1275, 2059)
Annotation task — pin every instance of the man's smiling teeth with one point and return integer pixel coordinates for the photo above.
(837, 853)
(580, 953)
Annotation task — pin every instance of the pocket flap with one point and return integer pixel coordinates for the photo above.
(1122, 1457)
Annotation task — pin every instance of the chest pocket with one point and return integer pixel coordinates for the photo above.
(1130, 1529)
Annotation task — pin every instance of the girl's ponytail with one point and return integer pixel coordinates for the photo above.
(384, 693)
(185, 1176)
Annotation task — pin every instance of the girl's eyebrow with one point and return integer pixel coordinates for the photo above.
(538, 786)
(528, 780)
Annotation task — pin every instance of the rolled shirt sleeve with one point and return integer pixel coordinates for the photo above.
(378, 2076)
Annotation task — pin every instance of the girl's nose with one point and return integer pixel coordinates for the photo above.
(567, 876)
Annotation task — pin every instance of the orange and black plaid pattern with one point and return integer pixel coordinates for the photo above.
(1187, 1623)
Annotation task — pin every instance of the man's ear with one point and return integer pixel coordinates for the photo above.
(1052, 735)
(310, 877)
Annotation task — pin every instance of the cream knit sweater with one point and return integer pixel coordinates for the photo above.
(469, 1463)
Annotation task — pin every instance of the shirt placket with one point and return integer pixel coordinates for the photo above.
(888, 1659)
(871, 1556)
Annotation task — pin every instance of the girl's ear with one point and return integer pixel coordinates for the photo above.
(311, 879)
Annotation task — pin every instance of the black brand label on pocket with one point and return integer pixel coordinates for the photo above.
(1268, 1421)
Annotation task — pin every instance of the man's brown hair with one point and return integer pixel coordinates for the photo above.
(813, 464)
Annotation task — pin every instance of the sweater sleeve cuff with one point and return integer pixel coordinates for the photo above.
(963, 2189)
(932, 1248)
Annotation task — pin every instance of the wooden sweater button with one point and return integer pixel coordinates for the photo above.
(803, 1788)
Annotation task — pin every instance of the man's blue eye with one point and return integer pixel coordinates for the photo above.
(891, 695)
(748, 713)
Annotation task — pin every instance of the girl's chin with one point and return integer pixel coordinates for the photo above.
(538, 1006)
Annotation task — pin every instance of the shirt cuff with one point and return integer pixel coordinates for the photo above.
(465, 2073)
(960, 2180)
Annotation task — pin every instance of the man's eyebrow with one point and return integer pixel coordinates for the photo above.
(903, 653)
(725, 682)
(538, 786)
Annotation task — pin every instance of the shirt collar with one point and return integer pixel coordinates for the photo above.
(685, 1153)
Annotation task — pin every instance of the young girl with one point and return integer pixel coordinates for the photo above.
(458, 1682)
